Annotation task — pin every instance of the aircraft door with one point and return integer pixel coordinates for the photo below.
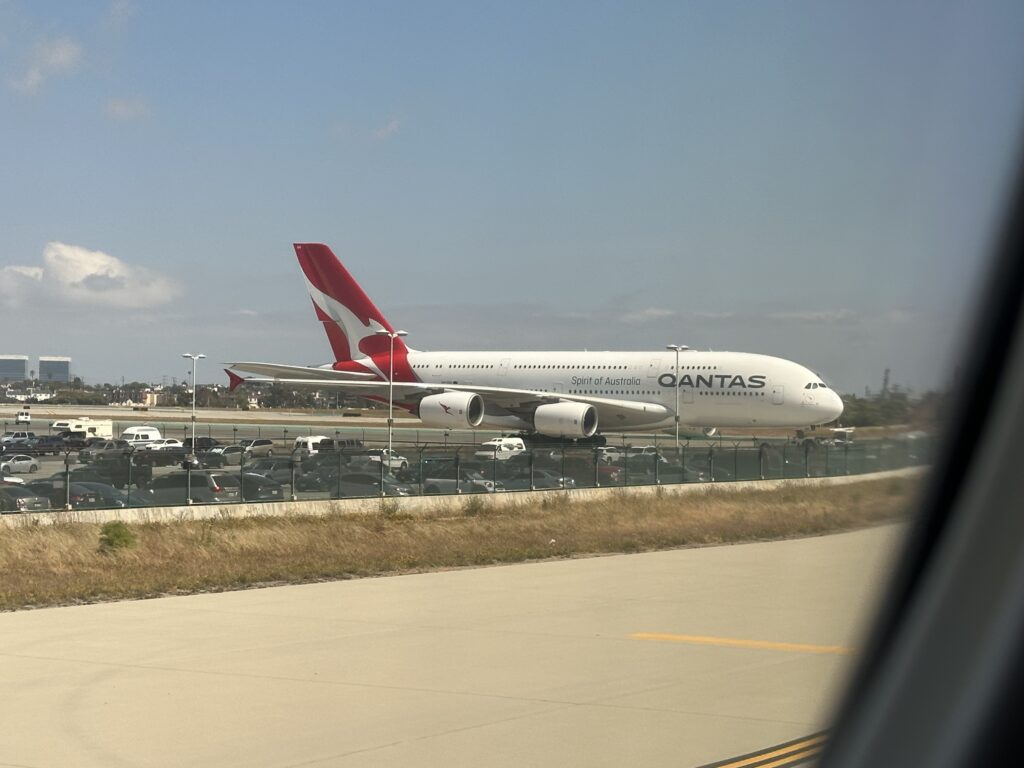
(686, 395)
(778, 394)
(503, 366)
(653, 367)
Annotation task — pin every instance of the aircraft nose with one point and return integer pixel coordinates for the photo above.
(832, 406)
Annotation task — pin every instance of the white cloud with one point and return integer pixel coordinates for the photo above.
(127, 109)
(49, 58)
(648, 315)
(78, 275)
(388, 130)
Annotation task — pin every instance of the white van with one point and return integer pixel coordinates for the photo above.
(23, 416)
(140, 436)
(501, 448)
(312, 445)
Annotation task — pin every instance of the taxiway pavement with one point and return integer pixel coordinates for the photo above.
(668, 658)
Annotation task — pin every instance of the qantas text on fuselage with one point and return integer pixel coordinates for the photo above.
(571, 394)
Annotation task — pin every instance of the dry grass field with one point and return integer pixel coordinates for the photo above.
(77, 562)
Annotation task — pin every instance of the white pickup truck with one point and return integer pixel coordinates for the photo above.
(501, 448)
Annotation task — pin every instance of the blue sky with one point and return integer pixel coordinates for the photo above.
(813, 180)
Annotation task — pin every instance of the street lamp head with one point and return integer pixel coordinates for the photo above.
(676, 347)
(201, 356)
(401, 333)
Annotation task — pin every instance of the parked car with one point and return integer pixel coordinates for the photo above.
(543, 479)
(258, 446)
(123, 471)
(390, 458)
(7, 477)
(361, 484)
(52, 445)
(164, 443)
(212, 459)
(19, 463)
(257, 487)
(13, 437)
(202, 443)
(276, 469)
(15, 498)
(54, 489)
(207, 486)
(112, 498)
(103, 448)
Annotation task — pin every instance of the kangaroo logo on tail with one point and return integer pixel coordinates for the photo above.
(350, 319)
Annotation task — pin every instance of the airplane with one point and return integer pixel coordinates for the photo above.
(556, 394)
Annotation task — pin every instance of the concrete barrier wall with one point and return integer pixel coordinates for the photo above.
(424, 505)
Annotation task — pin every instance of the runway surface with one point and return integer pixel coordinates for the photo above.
(672, 658)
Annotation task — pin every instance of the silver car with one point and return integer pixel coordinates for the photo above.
(19, 463)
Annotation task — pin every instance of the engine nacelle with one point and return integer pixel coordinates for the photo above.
(710, 431)
(565, 420)
(452, 410)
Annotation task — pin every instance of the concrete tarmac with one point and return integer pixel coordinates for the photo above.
(669, 658)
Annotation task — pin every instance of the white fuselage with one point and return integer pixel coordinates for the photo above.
(715, 389)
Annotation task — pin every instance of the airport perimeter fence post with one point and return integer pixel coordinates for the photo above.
(338, 482)
(826, 462)
(458, 482)
(682, 462)
(241, 470)
(285, 438)
(494, 465)
(711, 461)
(760, 460)
(736, 460)
(656, 458)
(188, 482)
(291, 466)
(807, 459)
(846, 459)
(563, 461)
(67, 481)
(383, 491)
(784, 446)
(532, 486)
(625, 464)
(420, 473)
(597, 468)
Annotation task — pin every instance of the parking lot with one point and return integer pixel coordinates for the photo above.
(279, 467)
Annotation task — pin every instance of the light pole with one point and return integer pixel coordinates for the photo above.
(677, 348)
(192, 451)
(391, 383)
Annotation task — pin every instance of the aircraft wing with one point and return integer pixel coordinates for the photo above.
(286, 372)
(611, 411)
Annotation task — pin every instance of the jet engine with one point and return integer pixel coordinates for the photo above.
(452, 410)
(565, 420)
(710, 431)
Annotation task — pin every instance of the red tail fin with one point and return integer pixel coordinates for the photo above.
(349, 317)
(234, 380)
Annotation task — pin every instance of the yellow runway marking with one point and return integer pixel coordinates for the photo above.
(791, 753)
(732, 642)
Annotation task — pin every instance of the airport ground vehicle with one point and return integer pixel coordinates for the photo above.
(207, 486)
(24, 416)
(19, 463)
(259, 446)
(15, 498)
